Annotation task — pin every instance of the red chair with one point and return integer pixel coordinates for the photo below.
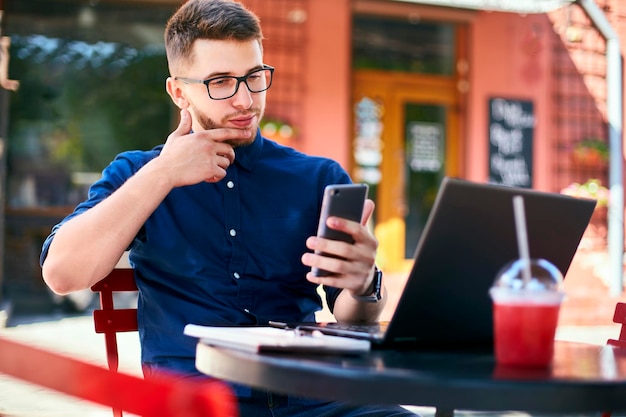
(169, 396)
(618, 317)
(109, 320)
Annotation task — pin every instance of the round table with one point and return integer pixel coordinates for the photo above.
(583, 378)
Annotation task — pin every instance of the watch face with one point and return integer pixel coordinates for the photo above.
(378, 284)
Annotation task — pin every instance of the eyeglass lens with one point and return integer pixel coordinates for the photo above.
(225, 87)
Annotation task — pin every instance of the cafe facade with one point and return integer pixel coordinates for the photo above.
(401, 93)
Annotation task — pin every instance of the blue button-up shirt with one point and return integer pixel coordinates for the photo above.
(225, 253)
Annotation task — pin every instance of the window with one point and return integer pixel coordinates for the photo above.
(401, 45)
(92, 84)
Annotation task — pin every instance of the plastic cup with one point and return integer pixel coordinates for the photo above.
(525, 313)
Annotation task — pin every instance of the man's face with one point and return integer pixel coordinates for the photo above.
(213, 58)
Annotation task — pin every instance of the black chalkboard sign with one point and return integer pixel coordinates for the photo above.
(511, 128)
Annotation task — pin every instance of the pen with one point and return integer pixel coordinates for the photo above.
(279, 325)
(298, 331)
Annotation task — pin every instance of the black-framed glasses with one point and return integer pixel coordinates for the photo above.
(226, 86)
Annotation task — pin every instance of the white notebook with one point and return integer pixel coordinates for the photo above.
(270, 339)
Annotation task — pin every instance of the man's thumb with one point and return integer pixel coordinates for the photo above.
(184, 126)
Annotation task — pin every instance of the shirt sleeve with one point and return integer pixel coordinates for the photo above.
(331, 296)
(124, 166)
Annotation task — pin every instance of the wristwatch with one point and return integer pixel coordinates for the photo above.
(376, 289)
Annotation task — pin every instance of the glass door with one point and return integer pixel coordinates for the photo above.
(411, 133)
(405, 136)
(424, 143)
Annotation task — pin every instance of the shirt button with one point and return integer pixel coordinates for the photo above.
(236, 275)
(246, 310)
(230, 184)
(233, 232)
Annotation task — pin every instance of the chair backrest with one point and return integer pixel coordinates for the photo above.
(619, 317)
(167, 396)
(108, 319)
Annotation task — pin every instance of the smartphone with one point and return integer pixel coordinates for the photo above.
(340, 200)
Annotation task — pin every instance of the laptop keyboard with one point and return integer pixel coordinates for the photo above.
(371, 328)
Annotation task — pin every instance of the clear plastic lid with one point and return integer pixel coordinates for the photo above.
(544, 284)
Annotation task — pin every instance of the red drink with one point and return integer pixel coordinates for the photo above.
(524, 333)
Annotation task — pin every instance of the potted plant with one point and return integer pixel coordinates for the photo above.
(596, 233)
(277, 130)
(591, 152)
(592, 189)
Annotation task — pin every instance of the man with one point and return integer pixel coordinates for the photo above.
(219, 221)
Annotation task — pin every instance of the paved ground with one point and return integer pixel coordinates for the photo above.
(586, 317)
(18, 399)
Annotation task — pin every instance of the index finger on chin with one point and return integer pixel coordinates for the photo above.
(224, 133)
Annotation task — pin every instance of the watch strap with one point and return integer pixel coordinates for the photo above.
(376, 287)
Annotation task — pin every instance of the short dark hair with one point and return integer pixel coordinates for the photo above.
(207, 19)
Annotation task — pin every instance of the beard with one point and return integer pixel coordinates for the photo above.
(206, 123)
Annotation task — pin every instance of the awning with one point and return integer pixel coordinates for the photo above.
(514, 6)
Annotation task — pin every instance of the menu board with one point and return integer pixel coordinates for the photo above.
(511, 129)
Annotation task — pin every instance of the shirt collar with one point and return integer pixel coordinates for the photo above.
(246, 156)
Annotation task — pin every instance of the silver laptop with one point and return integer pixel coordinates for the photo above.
(469, 236)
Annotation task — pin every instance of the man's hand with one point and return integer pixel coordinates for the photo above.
(190, 158)
(355, 270)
